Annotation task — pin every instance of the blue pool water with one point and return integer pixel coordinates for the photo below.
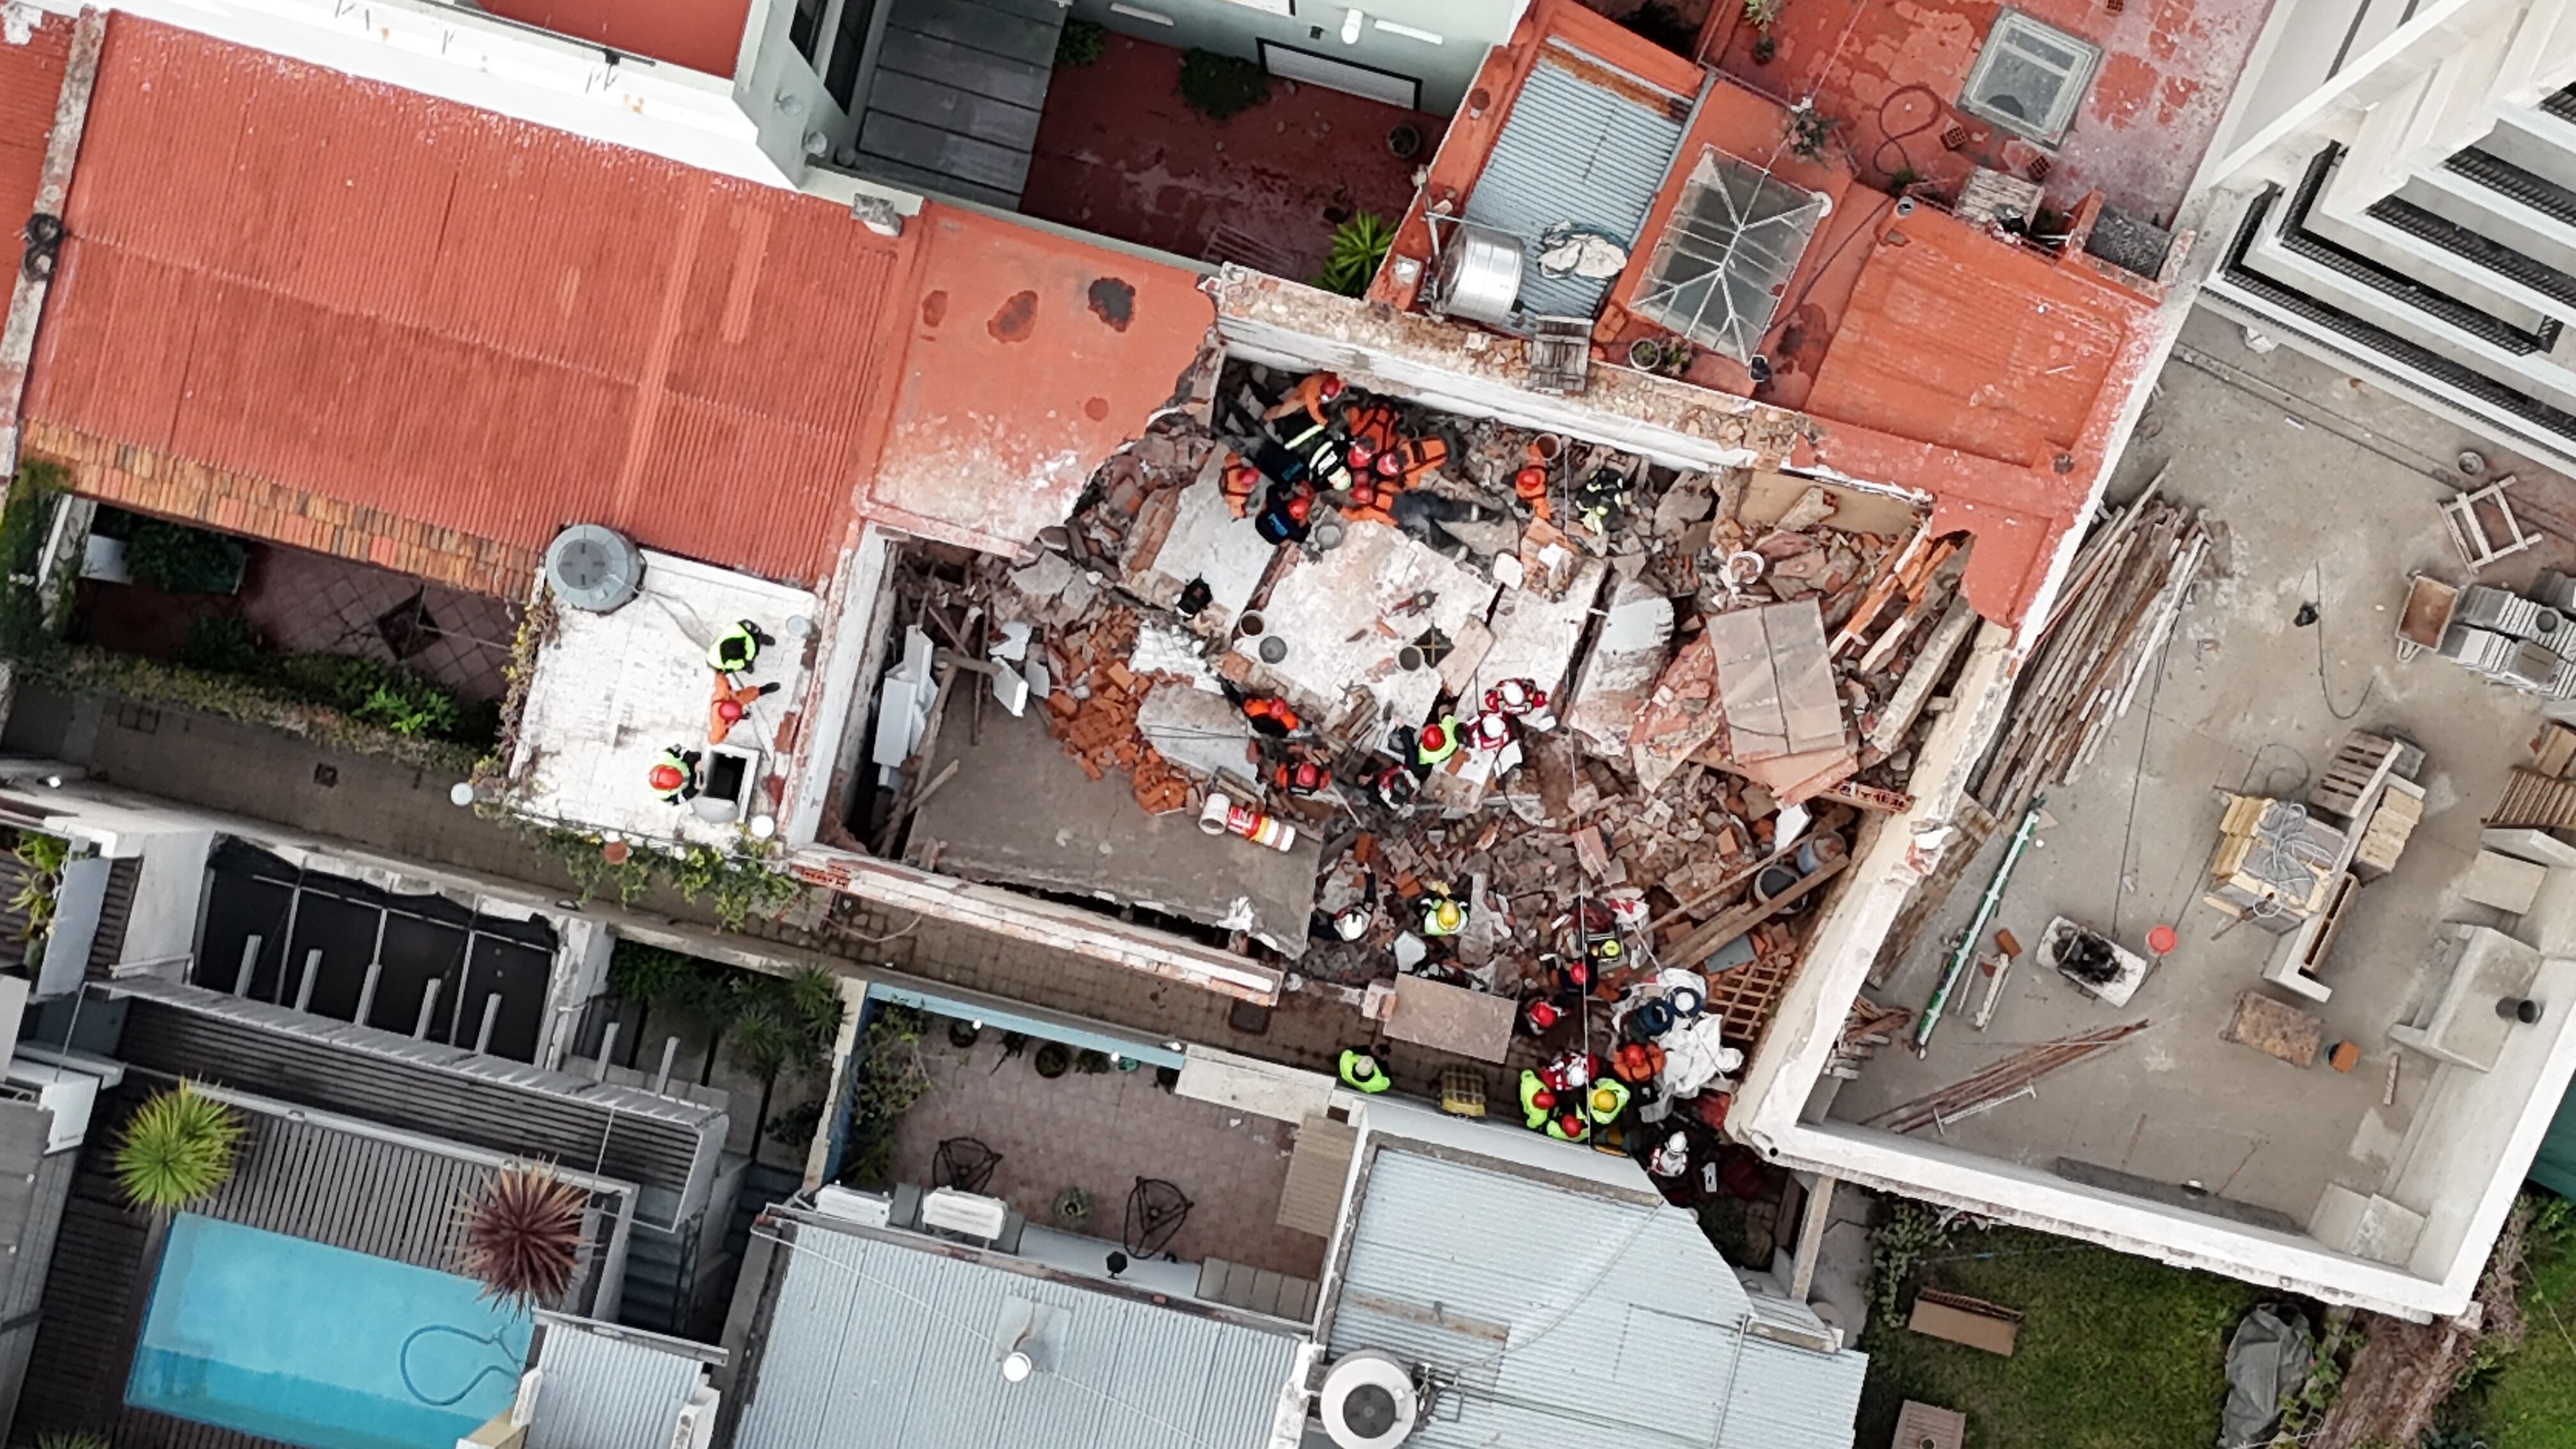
(313, 1345)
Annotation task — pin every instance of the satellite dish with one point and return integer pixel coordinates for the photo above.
(594, 568)
(1368, 1402)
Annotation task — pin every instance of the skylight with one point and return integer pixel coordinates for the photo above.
(1721, 264)
(2029, 78)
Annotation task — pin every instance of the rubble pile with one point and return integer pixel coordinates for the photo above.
(1575, 729)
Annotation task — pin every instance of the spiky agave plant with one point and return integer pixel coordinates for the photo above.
(176, 1150)
(522, 1235)
(71, 1439)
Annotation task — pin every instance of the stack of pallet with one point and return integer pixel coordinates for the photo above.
(2384, 838)
(2101, 644)
(2274, 861)
(2540, 795)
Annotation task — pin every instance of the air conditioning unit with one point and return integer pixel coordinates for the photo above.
(967, 1214)
(865, 1208)
(593, 568)
(1368, 1402)
(695, 1425)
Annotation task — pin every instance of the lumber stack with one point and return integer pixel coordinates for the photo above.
(2275, 860)
(2005, 1079)
(2127, 588)
(1868, 1027)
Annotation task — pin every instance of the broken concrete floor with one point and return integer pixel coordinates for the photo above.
(2247, 701)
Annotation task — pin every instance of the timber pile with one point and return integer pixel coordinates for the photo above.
(2128, 587)
(1868, 1027)
(2004, 1080)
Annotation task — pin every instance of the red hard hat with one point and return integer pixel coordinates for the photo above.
(1332, 387)
(728, 711)
(1390, 464)
(1434, 737)
(1543, 1099)
(667, 777)
(1572, 1122)
(1300, 507)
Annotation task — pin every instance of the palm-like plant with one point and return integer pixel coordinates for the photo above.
(71, 1439)
(1359, 246)
(522, 1234)
(177, 1150)
(768, 1040)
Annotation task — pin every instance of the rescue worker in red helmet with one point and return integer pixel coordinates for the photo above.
(1538, 1103)
(1268, 714)
(674, 776)
(1569, 1126)
(1433, 744)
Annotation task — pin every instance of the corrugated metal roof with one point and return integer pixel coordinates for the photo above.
(473, 322)
(31, 79)
(1585, 145)
(1570, 1317)
(381, 1076)
(608, 1392)
(872, 1340)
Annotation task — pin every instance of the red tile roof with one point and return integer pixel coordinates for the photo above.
(31, 77)
(477, 330)
(700, 35)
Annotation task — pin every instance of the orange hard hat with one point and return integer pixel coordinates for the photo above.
(667, 777)
(728, 711)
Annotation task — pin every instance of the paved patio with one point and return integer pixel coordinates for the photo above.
(1118, 153)
(312, 603)
(1102, 1131)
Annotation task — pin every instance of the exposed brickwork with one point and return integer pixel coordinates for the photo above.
(139, 478)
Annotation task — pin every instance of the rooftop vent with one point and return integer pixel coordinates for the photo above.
(1724, 259)
(1368, 1402)
(2030, 77)
(593, 568)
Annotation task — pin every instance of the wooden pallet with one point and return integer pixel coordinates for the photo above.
(2535, 801)
(2355, 774)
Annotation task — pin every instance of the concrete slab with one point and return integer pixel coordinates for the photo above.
(1020, 812)
(1534, 635)
(1616, 676)
(1337, 615)
(1195, 729)
(2246, 700)
(1208, 542)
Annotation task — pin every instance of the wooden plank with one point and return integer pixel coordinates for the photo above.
(950, 108)
(921, 179)
(943, 153)
(1452, 1019)
(1966, 1321)
(979, 27)
(1001, 77)
(1699, 945)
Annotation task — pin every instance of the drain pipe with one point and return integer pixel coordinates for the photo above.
(483, 1033)
(249, 959)
(428, 1010)
(312, 971)
(367, 993)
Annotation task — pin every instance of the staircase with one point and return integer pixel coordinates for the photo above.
(953, 103)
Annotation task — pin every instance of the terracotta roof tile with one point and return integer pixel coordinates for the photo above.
(31, 77)
(700, 35)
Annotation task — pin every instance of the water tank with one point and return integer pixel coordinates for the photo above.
(594, 568)
(1368, 1402)
(1478, 276)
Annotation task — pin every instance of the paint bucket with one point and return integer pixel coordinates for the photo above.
(1250, 624)
(1221, 816)
(1410, 658)
(1273, 649)
(1546, 448)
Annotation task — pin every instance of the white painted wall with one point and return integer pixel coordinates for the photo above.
(1466, 30)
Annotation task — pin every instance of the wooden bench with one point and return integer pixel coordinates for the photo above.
(1965, 1320)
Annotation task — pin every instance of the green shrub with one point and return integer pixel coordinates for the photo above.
(223, 643)
(71, 1439)
(176, 1150)
(25, 521)
(177, 559)
(1080, 43)
(1665, 26)
(1221, 86)
(1359, 246)
(259, 700)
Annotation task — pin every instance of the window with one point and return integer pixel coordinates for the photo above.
(2029, 78)
(805, 27)
(849, 46)
(1723, 260)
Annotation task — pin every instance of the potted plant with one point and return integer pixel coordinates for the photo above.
(1054, 1060)
(1761, 14)
(1072, 1205)
(177, 1149)
(522, 1234)
(1358, 248)
(1091, 1062)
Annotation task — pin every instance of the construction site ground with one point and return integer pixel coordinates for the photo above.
(2326, 495)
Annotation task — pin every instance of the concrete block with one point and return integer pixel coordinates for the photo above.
(2537, 846)
(2502, 881)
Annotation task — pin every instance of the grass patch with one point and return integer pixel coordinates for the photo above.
(2116, 1352)
(2527, 1400)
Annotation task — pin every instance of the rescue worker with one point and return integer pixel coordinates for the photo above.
(1538, 1104)
(1309, 396)
(1539, 1016)
(1269, 715)
(674, 776)
(1607, 1099)
(1394, 788)
(1320, 456)
(1442, 915)
(1569, 1126)
(737, 647)
(1489, 731)
(1361, 1073)
(1434, 744)
(1523, 701)
(726, 706)
(1287, 515)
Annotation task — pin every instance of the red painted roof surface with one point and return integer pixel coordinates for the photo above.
(700, 35)
(1031, 357)
(1890, 77)
(410, 306)
(31, 78)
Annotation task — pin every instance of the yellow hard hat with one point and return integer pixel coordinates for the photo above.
(1448, 915)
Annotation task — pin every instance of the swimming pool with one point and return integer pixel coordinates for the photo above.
(313, 1345)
